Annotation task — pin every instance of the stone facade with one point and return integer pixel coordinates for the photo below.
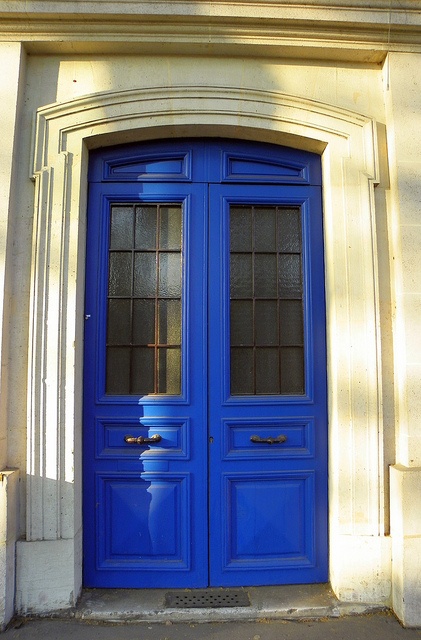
(340, 79)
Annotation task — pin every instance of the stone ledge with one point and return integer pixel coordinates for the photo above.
(8, 504)
(404, 10)
(315, 30)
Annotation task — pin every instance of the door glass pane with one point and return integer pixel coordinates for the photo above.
(145, 274)
(144, 300)
(169, 275)
(241, 323)
(144, 313)
(119, 326)
(241, 275)
(120, 274)
(267, 366)
(143, 371)
(169, 371)
(241, 228)
(291, 325)
(242, 371)
(290, 279)
(266, 308)
(121, 231)
(265, 285)
(289, 230)
(266, 322)
(170, 228)
(146, 220)
(292, 370)
(118, 369)
(264, 229)
(169, 322)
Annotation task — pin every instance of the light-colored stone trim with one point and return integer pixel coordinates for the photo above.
(405, 11)
(315, 29)
(11, 56)
(348, 144)
(12, 59)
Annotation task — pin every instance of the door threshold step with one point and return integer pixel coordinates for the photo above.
(299, 602)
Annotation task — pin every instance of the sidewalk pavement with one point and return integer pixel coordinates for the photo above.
(291, 612)
(373, 626)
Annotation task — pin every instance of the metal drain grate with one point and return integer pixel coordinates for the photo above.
(207, 598)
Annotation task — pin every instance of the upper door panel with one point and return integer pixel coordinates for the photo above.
(226, 161)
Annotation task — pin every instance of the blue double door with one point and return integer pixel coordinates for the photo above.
(205, 428)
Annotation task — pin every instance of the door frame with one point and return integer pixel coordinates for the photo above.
(63, 134)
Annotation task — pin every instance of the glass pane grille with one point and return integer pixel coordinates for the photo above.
(266, 301)
(144, 300)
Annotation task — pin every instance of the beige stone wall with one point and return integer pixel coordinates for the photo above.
(403, 105)
(103, 100)
(305, 77)
(11, 57)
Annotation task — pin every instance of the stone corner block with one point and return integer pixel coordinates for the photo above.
(9, 512)
(361, 569)
(47, 575)
(405, 501)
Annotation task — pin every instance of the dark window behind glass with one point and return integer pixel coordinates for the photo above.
(266, 300)
(144, 300)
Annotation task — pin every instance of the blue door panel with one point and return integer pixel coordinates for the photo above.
(266, 531)
(235, 491)
(208, 161)
(284, 513)
(145, 519)
(151, 162)
(175, 443)
(145, 504)
(238, 433)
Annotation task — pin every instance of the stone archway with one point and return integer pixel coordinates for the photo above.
(347, 141)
